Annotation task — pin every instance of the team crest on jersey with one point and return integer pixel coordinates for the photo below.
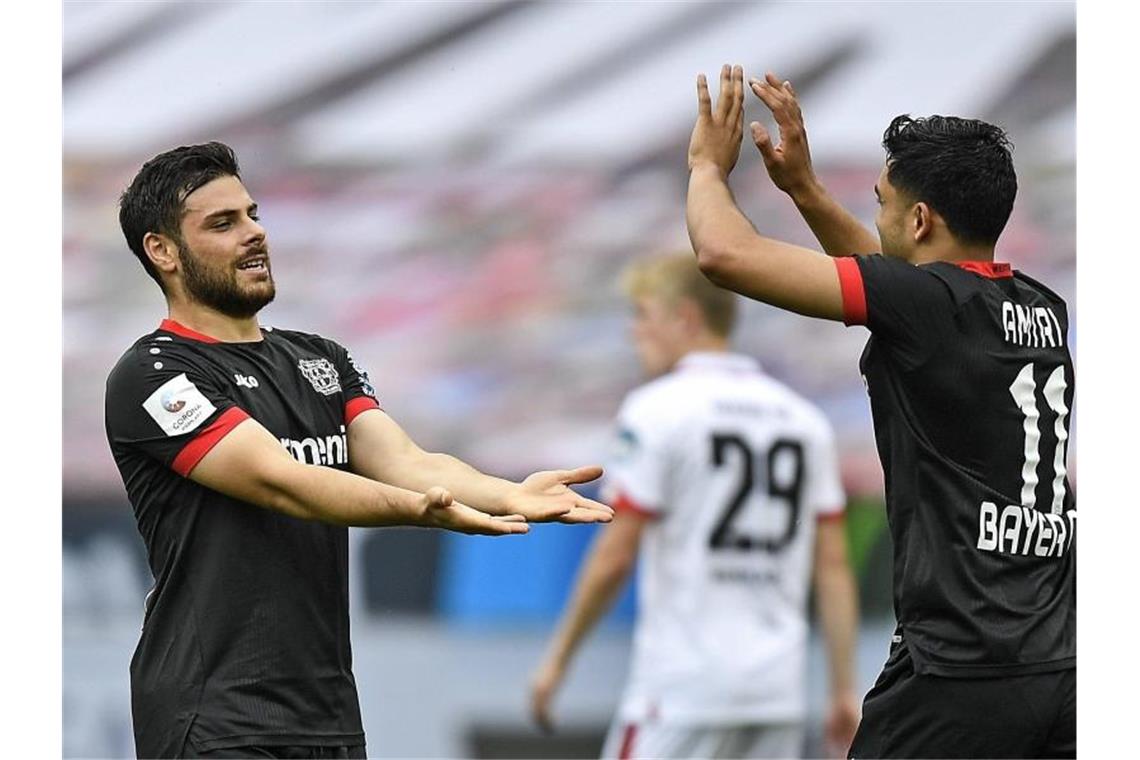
(322, 374)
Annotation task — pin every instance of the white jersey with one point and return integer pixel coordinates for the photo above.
(735, 468)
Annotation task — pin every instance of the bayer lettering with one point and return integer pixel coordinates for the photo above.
(332, 449)
(1019, 530)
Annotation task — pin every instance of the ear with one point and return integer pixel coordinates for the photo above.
(690, 314)
(922, 222)
(162, 252)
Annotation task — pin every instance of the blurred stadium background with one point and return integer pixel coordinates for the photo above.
(450, 190)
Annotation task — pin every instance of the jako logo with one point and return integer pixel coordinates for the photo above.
(246, 381)
(332, 449)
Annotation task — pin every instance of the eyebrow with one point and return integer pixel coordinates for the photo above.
(251, 209)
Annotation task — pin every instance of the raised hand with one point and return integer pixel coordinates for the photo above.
(717, 134)
(440, 510)
(789, 163)
(547, 497)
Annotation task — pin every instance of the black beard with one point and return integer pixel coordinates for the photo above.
(219, 292)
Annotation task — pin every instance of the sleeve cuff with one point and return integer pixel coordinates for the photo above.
(623, 503)
(357, 405)
(192, 453)
(831, 516)
(851, 286)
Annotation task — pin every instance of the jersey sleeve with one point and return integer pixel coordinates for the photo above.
(359, 395)
(637, 464)
(161, 401)
(908, 307)
(824, 492)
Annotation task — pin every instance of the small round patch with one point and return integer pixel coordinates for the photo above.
(158, 365)
(156, 350)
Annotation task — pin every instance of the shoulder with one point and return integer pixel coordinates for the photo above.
(157, 350)
(1040, 287)
(804, 411)
(305, 341)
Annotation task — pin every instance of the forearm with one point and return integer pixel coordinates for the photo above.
(321, 493)
(421, 470)
(594, 594)
(837, 599)
(836, 228)
(716, 224)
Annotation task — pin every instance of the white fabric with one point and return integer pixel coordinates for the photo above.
(655, 740)
(721, 633)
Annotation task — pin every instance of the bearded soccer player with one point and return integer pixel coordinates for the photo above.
(246, 452)
(971, 384)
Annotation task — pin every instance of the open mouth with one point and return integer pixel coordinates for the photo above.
(255, 264)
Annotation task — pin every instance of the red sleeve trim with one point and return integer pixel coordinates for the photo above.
(625, 504)
(851, 286)
(357, 405)
(831, 516)
(200, 446)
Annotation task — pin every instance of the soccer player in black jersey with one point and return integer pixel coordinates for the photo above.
(971, 386)
(246, 451)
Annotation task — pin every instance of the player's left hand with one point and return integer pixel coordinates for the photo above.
(547, 497)
(717, 135)
(842, 720)
(543, 684)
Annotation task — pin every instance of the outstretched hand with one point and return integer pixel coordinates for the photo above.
(440, 510)
(547, 497)
(717, 134)
(543, 684)
(789, 163)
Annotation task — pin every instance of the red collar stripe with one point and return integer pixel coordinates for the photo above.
(169, 325)
(994, 270)
(851, 286)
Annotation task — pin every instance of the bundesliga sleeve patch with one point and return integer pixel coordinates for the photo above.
(178, 406)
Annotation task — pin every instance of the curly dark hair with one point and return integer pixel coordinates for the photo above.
(962, 168)
(155, 199)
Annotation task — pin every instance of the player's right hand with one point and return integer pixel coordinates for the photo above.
(440, 510)
(543, 684)
(789, 163)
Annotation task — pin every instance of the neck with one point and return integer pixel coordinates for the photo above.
(952, 251)
(704, 343)
(207, 321)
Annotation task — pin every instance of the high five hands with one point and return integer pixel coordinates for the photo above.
(718, 132)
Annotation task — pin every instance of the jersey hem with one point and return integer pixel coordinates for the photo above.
(277, 740)
(925, 667)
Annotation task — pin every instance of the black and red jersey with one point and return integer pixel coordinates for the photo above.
(245, 638)
(971, 386)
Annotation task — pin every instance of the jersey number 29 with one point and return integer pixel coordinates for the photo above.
(724, 537)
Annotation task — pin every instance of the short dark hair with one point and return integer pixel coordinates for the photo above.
(962, 168)
(155, 199)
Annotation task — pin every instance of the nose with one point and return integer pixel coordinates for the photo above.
(255, 233)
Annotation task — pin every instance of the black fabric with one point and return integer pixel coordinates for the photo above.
(293, 752)
(908, 715)
(958, 367)
(245, 639)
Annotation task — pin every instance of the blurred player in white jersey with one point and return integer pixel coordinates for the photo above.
(726, 484)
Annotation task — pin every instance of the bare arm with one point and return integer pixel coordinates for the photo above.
(729, 250)
(599, 581)
(378, 448)
(249, 464)
(837, 606)
(789, 167)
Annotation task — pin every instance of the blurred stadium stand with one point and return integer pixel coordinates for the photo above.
(450, 190)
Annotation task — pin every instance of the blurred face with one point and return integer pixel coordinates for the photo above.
(659, 334)
(891, 219)
(223, 253)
